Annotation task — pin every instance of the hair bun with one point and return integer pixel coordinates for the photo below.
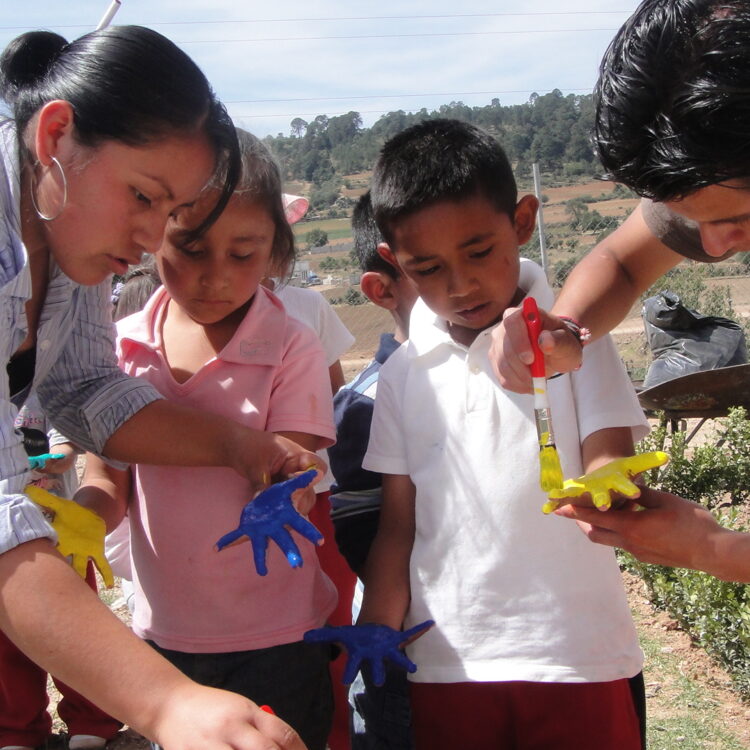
(27, 59)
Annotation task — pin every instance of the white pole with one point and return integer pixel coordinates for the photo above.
(109, 15)
(540, 219)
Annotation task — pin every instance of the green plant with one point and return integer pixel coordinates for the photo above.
(715, 613)
(354, 297)
(688, 282)
(316, 238)
(715, 473)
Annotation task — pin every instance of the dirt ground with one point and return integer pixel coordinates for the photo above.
(691, 662)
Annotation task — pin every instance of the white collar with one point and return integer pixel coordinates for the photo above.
(428, 332)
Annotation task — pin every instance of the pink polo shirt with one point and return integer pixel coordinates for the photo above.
(271, 376)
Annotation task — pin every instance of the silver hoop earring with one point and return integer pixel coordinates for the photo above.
(42, 216)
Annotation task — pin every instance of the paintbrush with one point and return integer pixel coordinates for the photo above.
(550, 471)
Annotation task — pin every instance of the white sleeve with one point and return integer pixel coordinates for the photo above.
(603, 393)
(334, 335)
(386, 451)
(313, 309)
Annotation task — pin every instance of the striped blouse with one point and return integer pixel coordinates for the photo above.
(82, 390)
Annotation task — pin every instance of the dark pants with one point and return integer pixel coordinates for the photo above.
(293, 679)
(380, 715)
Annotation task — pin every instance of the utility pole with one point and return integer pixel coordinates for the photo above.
(540, 220)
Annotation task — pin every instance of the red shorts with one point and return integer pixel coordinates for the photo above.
(525, 716)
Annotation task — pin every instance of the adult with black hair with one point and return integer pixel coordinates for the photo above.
(111, 134)
(672, 113)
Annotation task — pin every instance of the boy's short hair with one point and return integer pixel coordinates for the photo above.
(439, 160)
(367, 237)
(673, 97)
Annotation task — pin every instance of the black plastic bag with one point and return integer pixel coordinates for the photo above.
(685, 341)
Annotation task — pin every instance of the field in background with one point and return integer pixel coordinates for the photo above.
(601, 207)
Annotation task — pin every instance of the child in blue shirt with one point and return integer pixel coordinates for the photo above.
(380, 715)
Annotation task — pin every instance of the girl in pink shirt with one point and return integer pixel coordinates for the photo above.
(212, 337)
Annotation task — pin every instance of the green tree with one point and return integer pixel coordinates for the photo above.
(316, 238)
(329, 263)
(344, 128)
(354, 297)
(323, 196)
(299, 126)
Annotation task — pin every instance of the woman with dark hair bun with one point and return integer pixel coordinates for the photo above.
(111, 134)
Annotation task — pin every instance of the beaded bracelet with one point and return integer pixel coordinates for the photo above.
(582, 334)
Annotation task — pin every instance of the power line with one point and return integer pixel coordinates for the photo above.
(384, 36)
(357, 18)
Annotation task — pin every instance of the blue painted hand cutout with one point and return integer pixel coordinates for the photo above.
(37, 462)
(372, 643)
(267, 516)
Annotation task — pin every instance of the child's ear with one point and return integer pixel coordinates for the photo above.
(377, 286)
(524, 218)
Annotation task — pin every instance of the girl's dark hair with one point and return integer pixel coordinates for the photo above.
(673, 97)
(125, 83)
(136, 288)
(260, 180)
(35, 442)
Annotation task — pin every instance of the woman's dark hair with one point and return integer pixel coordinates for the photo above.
(260, 180)
(136, 288)
(439, 160)
(125, 83)
(673, 97)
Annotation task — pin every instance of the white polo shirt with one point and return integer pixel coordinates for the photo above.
(312, 308)
(516, 595)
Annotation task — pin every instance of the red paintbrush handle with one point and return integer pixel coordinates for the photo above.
(534, 327)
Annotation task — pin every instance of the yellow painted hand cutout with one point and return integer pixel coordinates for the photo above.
(79, 530)
(616, 476)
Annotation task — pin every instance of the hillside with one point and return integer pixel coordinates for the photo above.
(325, 158)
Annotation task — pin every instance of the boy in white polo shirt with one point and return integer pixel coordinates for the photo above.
(534, 646)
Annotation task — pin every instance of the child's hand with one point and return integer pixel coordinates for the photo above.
(40, 461)
(304, 500)
(616, 476)
(79, 530)
(372, 643)
(63, 458)
(267, 516)
(258, 455)
(203, 718)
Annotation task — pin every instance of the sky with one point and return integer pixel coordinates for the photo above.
(271, 62)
